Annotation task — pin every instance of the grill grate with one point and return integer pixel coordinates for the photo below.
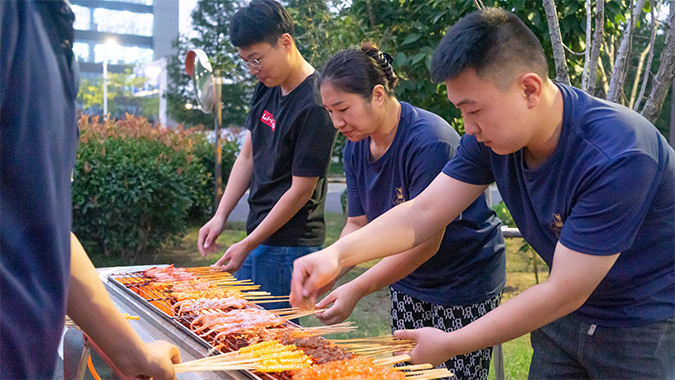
(160, 302)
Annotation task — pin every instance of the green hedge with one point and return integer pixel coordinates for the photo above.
(137, 187)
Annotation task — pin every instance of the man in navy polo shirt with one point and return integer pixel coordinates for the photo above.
(591, 186)
(44, 271)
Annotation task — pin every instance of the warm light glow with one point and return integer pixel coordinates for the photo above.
(188, 106)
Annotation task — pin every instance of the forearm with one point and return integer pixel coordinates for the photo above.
(409, 224)
(573, 278)
(92, 309)
(393, 268)
(524, 313)
(237, 184)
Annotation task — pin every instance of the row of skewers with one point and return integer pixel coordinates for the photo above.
(223, 310)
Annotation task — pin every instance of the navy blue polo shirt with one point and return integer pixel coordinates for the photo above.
(469, 266)
(608, 188)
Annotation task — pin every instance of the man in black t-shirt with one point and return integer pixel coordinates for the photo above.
(283, 161)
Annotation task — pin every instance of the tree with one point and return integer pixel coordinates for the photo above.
(210, 21)
(410, 31)
(121, 98)
(320, 30)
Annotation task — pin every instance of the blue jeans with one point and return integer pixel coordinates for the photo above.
(572, 349)
(271, 268)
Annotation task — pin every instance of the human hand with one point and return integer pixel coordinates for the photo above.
(344, 300)
(311, 273)
(431, 345)
(156, 362)
(208, 235)
(234, 257)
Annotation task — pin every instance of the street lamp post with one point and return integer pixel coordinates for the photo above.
(109, 44)
(105, 88)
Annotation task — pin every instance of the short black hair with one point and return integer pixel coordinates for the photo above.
(260, 21)
(489, 41)
(358, 71)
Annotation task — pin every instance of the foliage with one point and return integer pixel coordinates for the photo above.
(210, 21)
(121, 100)
(320, 32)
(504, 214)
(134, 185)
(409, 30)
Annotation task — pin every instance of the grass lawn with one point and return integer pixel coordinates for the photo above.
(372, 312)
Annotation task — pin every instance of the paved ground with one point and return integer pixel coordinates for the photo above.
(335, 188)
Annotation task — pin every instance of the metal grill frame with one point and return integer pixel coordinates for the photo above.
(134, 284)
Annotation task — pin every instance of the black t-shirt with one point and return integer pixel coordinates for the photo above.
(292, 135)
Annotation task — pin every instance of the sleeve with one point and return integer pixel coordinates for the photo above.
(353, 198)
(471, 164)
(611, 206)
(314, 146)
(425, 165)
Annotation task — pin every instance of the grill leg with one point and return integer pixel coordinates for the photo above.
(498, 360)
(81, 368)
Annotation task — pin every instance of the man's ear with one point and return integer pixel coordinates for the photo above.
(286, 41)
(532, 87)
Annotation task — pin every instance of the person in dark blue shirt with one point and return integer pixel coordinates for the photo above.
(44, 271)
(591, 186)
(395, 150)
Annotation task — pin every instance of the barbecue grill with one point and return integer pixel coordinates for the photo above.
(130, 293)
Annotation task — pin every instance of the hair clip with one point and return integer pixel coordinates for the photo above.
(387, 57)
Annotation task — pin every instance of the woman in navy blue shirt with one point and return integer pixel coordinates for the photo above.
(394, 152)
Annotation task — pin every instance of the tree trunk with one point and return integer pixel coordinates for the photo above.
(638, 74)
(620, 65)
(561, 70)
(587, 53)
(648, 70)
(672, 116)
(596, 45)
(664, 77)
(371, 16)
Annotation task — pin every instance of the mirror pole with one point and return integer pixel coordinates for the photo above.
(217, 83)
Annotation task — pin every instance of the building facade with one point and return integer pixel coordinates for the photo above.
(125, 33)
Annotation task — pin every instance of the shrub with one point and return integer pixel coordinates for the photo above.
(504, 214)
(134, 185)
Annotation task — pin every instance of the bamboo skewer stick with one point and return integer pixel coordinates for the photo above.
(391, 360)
(337, 328)
(300, 314)
(414, 367)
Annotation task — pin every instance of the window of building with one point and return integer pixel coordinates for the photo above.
(122, 22)
(144, 2)
(82, 17)
(81, 51)
(122, 54)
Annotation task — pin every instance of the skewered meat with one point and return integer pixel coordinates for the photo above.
(357, 368)
(194, 306)
(169, 274)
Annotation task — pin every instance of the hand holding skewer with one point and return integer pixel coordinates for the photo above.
(311, 273)
(430, 345)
